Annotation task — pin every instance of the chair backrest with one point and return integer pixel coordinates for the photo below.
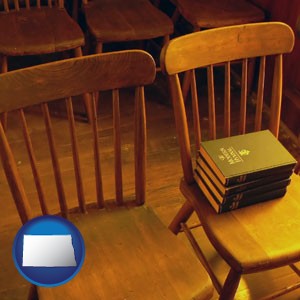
(223, 46)
(39, 85)
(12, 5)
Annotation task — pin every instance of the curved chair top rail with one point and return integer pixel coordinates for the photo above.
(207, 47)
(75, 76)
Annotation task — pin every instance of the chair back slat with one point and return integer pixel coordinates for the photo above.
(224, 48)
(211, 103)
(227, 108)
(75, 154)
(33, 164)
(13, 178)
(239, 42)
(243, 108)
(55, 162)
(117, 147)
(140, 146)
(63, 148)
(260, 93)
(276, 96)
(196, 112)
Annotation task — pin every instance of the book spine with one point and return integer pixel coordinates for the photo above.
(244, 196)
(229, 206)
(256, 175)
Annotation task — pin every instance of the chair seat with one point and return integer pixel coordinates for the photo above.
(261, 236)
(129, 20)
(130, 254)
(216, 13)
(38, 31)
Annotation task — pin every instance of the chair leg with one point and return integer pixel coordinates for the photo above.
(86, 96)
(175, 16)
(4, 69)
(181, 217)
(33, 294)
(230, 286)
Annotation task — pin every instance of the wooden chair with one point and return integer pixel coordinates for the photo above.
(125, 20)
(37, 29)
(259, 237)
(129, 253)
(203, 14)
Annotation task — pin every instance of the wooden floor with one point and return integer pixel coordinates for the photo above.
(163, 174)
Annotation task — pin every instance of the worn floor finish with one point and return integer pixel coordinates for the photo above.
(163, 174)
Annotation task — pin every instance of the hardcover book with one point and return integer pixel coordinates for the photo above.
(232, 205)
(246, 157)
(240, 196)
(205, 171)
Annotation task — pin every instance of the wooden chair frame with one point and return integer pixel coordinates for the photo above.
(204, 15)
(19, 19)
(133, 222)
(205, 49)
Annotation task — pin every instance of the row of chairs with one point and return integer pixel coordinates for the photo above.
(43, 27)
(130, 254)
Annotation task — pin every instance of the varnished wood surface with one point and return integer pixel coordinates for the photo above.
(226, 44)
(125, 260)
(262, 236)
(214, 13)
(241, 237)
(38, 31)
(87, 72)
(163, 194)
(125, 20)
(138, 251)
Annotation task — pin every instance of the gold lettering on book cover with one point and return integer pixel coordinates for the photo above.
(231, 155)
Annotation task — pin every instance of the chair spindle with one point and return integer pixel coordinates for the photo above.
(33, 163)
(98, 176)
(243, 108)
(260, 94)
(27, 4)
(227, 108)
(75, 154)
(6, 5)
(16, 4)
(55, 162)
(117, 147)
(211, 103)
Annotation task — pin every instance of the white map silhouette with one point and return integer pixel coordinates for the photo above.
(48, 251)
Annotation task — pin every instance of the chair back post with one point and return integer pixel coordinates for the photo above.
(276, 97)
(182, 128)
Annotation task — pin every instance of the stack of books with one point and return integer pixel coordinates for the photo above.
(243, 170)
